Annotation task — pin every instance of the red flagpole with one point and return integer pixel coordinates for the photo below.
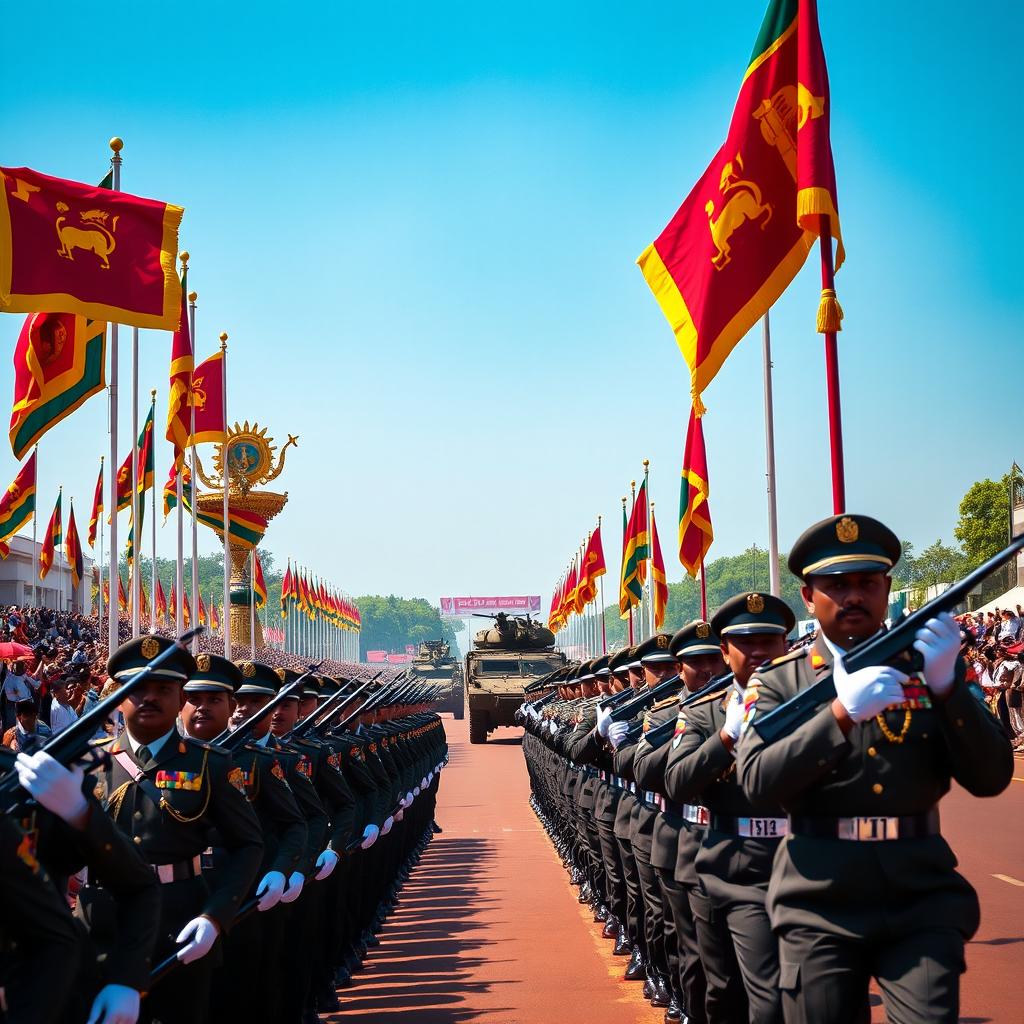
(835, 418)
(703, 593)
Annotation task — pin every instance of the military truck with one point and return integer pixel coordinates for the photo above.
(505, 659)
(434, 663)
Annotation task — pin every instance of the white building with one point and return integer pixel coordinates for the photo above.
(20, 582)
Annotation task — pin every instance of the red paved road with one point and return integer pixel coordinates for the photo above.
(489, 929)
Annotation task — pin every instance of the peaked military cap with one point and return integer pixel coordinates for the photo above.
(846, 543)
(260, 679)
(311, 685)
(753, 612)
(131, 658)
(655, 649)
(619, 661)
(329, 686)
(695, 638)
(600, 666)
(586, 672)
(634, 658)
(214, 673)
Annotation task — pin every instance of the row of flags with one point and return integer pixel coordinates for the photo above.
(318, 601)
(640, 546)
(213, 618)
(577, 587)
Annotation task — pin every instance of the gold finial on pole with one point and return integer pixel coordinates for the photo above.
(192, 296)
(647, 462)
(116, 145)
(183, 256)
(223, 340)
(152, 393)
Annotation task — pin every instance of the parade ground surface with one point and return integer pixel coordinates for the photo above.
(489, 929)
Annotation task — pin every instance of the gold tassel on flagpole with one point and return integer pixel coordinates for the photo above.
(830, 313)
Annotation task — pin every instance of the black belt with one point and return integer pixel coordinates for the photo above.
(868, 828)
(764, 827)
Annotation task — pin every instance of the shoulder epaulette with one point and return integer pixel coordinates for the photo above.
(706, 699)
(203, 745)
(101, 742)
(796, 655)
(667, 702)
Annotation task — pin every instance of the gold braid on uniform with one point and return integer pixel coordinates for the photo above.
(117, 798)
(888, 733)
(184, 819)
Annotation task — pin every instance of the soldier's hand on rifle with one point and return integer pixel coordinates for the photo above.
(604, 720)
(386, 827)
(199, 935)
(370, 834)
(296, 880)
(115, 1004)
(617, 733)
(325, 864)
(57, 788)
(270, 890)
(868, 691)
(938, 642)
(733, 719)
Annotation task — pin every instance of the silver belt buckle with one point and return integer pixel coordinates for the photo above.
(762, 828)
(869, 829)
(650, 796)
(696, 814)
(632, 788)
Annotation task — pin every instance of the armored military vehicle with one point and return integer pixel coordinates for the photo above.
(505, 659)
(434, 662)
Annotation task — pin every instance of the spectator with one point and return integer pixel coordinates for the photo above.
(1009, 626)
(27, 725)
(62, 714)
(18, 686)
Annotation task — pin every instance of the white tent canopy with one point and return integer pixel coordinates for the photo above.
(1013, 597)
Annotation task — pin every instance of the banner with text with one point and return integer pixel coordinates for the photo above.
(464, 607)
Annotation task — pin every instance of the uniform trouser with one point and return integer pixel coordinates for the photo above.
(634, 901)
(825, 978)
(654, 914)
(596, 872)
(305, 916)
(687, 979)
(615, 882)
(744, 926)
(726, 999)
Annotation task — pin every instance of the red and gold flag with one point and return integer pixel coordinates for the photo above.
(186, 611)
(161, 602)
(202, 611)
(214, 617)
(258, 584)
(122, 596)
(695, 530)
(73, 549)
(59, 362)
(51, 544)
(97, 507)
(207, 396)
(173, 610)
(745, 229)
(287, 588)
(18, 502)
(658, 577)
(179, 421)
(66, 247)
(593, 567)
(106, 592)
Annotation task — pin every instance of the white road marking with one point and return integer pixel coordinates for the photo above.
(1010, 880)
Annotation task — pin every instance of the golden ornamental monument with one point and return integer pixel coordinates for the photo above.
(249, 463)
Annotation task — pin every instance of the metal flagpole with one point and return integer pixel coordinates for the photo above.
(600, 579)
(774, 584)
(116, 145)
(192, 460)
(650, 562)
(152, 526)
(179, 572)
(56, 556)
(99, 530)
(226, 617)
(252, 603)
(136, 579)
(835, 416)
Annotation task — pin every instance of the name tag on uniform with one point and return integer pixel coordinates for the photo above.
(868, 829)
(763, 828)
(179, 780)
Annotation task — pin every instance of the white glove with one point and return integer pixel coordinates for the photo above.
(616, 733)
(386, 827)
(370, 834)
(416, 790)
(938, 640)
(270, 890)
(325, 864)
(57, 788)
(868, 691)
(115, 1004)
(533, 713)
(553, 727)
(400, 814)
(409, 797)
(296, 880)
(733, 717)
(604, 720)
(424, 782)
(199, 935)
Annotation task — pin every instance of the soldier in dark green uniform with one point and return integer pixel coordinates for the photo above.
(864, 885)
(735, 856)
(167, 791)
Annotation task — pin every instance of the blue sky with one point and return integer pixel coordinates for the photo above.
(419, 226)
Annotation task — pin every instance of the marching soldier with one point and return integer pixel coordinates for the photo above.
(735, 856)
(864, 884)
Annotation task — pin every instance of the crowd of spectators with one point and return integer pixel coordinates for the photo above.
(995, 658)
(59, 668)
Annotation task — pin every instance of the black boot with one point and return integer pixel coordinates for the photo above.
(650, 989)
(622, 945)
(662, 995)
(611, 927)
(435, 828)
(673, 1012)
(637, 967)
(600, 913)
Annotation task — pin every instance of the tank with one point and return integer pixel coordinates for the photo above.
(506, 657)
(434, 662)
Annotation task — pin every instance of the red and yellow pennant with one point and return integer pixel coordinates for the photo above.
(258, 584)
(73, 549)
(97, 507)
(746, 227)
(658, 577)
(67, 247)
(695, 530)
(207, 397)
(51, 544)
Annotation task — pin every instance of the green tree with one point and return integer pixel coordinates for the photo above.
(983, 527)
(390, 623)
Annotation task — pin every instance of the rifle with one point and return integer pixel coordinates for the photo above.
(717, 685)
(661, 733)
(314, 721)
(894, 647)
(375, 701)
(642, 701)
(617, 698)
(73, 742)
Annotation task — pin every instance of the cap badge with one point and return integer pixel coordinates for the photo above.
(662, 640)
(847, 530)
(280, 673)
(248, 669)
(150, 648)
(703, 631)
(755, 604)
(203, 662)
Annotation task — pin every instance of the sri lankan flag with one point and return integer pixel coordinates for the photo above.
(746, 227)
(146, 466)
(51, 544)
(695, 530)
(202, 610)
(18, 503)
(635, 552)
(59, 363)
(207, 397)
(258, 585)
(122, 596)
(97, 507)
(658, 577)
(286, 589)
(186, 611)
(179, 416)
(130, 546)
(73, 549)
(161, 602)
(593, 568)
(214, 617)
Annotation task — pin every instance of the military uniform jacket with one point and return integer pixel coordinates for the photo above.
(185, 793)
(702, 770)
(298, 772)
(649, 771)
(284, 827)
(334, 792)
(816, 771)
(640, 815)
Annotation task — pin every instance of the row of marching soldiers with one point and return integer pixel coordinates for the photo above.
(753, 875)
(238, 843)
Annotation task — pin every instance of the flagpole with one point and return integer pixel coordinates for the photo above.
(99, 530)
(226, 614)
(703, 592)
(829, 326)
(56, 555)
(116, 145)
(604, 628)
(650, 563)
(192, 461)
(252, 603)
(136, 578)
(152, 584)
(179, 571)
(630, 607)
(769, 445)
